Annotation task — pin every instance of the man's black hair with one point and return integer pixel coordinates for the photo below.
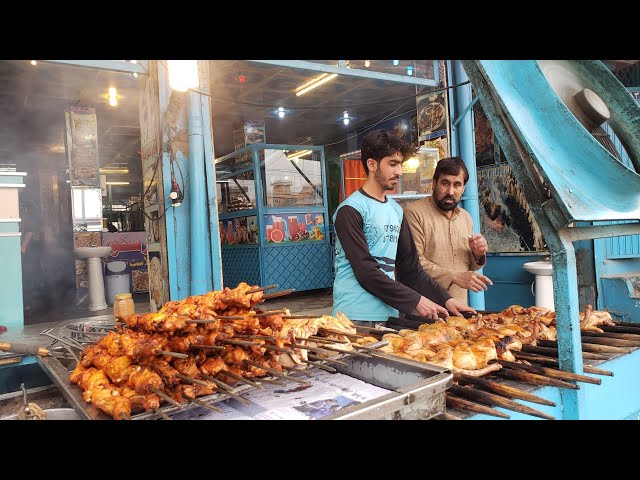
(450, 166)
(381, 143)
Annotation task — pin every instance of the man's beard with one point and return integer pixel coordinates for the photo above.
(447, 207)
(383, 183)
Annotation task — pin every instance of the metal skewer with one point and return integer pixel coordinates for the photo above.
(329, 360)
(348, 352)
(275, 372)
(320, 365)
(278, 349)
(172, 354)
(207, 347)
(238, 342)
(260, 289)
(240, 378)
(205, 405)
(326, 340)
(228, 390)
(164, 396)
(281, 293)
(193, 380)
(162, 414)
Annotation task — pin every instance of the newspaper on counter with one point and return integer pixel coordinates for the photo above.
(327, 393)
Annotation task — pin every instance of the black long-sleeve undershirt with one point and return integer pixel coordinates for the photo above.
(403, 294)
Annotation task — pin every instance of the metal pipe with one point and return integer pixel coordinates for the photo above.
(467, 151)
(198, 199)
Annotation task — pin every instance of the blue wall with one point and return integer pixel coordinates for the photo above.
(511, 282)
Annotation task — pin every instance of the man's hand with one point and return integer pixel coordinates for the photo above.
(428, 309)
(456, 308)
(478, 245)
(472, 281)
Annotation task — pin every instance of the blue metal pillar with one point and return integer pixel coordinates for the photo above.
(200, 282)
(214, 269)
(467, 151)
(565, 284)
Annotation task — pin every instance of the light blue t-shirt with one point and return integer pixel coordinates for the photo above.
(381, 223)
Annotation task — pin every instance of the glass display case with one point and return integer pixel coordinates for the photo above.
(272, 212)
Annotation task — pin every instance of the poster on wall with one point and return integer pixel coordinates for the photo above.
(130, 248)
(156, 283)
(506, 221)
(81, 127)
(431, 116)
(294, 227)
(239, 230)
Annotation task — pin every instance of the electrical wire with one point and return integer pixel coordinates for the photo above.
(320, 107)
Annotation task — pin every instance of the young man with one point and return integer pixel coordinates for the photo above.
(374, 244)
(443, 232)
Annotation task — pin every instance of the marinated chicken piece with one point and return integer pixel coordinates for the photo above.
(109, 401)
(147, 402)
(186, 366)
(465, 358)
(116, 366)
(166, 371)
(212, 366)
(590, 319)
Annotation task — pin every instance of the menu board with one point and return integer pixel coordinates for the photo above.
(82, 145)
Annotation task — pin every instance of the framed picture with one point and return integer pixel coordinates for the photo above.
(431, 116)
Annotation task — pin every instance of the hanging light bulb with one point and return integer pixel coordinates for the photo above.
(413, 163)
(410, 70)
(280, 112)
(113, 98)
(367, 63)
(396, 62)
(345, 118)
(183, 74)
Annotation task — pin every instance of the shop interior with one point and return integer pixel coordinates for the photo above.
(334, 115)
(34, 139)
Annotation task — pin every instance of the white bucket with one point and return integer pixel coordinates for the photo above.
(117, 266)
(117, 284)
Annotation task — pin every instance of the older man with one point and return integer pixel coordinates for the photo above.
(448, 249)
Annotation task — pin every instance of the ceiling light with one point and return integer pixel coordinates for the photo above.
(113, 99)
(316, 82)
(183, 74)
(298, 154)
(114, 170)
(345, 117)
(117, 183)
(33, 62)
(280, 112)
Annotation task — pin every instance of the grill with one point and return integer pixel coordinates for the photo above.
(515, 381)
(415, 390)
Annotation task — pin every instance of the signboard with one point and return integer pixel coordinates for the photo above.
(129, 247)
(82, 146)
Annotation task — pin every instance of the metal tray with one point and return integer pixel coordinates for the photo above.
(417, 389)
